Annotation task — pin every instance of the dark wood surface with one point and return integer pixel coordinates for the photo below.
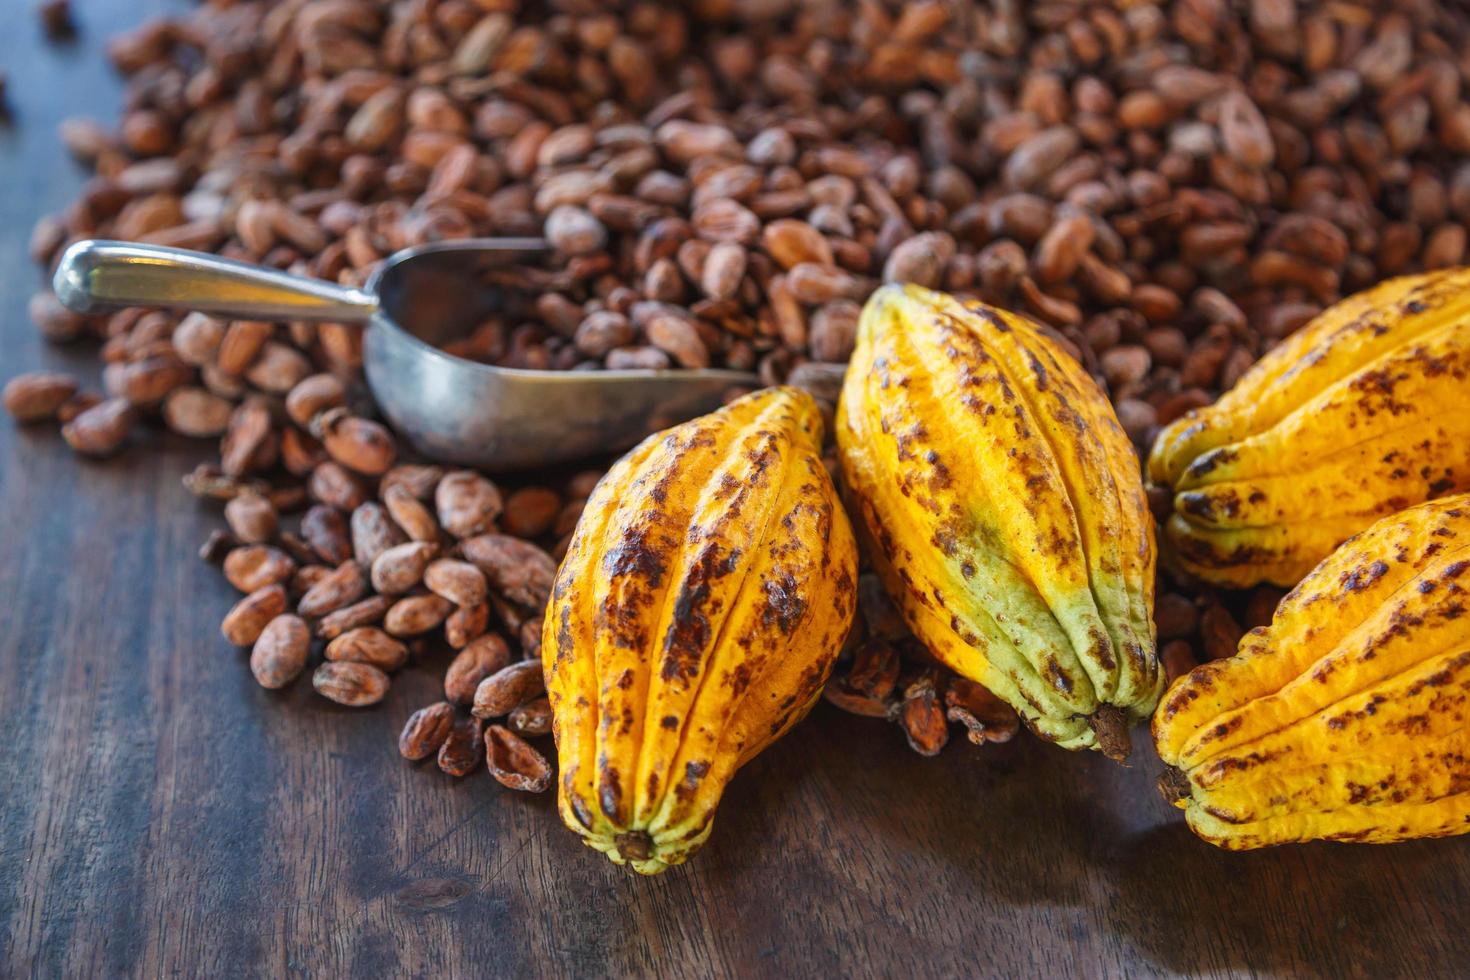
(160, 814)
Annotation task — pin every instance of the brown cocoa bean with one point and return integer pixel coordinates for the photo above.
(398, 569)
(426, 730)
(515, 569)
(368, 645)
(458, 581)
(531, 719)
(277, 368)
(410, 514)
(354, 685)
(255, 566)
(513, 763)
(102, 429)
(464, 747)
(530, 512)
(242, 342)
(1219, 632)
(55, 322)
(837, 692)
(252, 518)
(197, 412)
(986, 717)
(247, 619)
(279, 654)
(326, 532)
(361, 445)
(507, 688)
(414, 615)
(922, 718)
(465, 624)
(344, 586)
(373, 532)
(484, 656)
(467, 503)
(37, 396)
(920, 259)
(418, 479)
(1061, 249)
(332, 484)
(310, 396)
(365, 612)
(791, 242)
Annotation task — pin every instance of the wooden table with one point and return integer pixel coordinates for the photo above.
(161, 814)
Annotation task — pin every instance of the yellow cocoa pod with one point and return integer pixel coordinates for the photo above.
(1005, 511)
(1345, 719)
(1362, 412)
(708, 587)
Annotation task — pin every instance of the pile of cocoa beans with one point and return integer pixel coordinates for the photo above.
(1171, 188)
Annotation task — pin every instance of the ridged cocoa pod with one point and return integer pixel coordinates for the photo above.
(705, 594)
(1345, 718)
(1005, 512)
(1357, 415)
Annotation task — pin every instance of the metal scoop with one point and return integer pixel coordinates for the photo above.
(447, 407)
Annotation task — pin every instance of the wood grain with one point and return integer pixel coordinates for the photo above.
(162, 815)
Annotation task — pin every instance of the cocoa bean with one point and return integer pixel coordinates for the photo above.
(197, 412)
(326, 532)
(513, 763)
(247, 619)
(531, 719)
(102, 429)
(409, 513)
(344, 586)
(355, 685)
(507, 688)
(530, 512)
(252, 518)
(426, 730)
(373, 532)
(467, 503)
(368, 645)
(361, 445)
(365, 612)
(482, 657)
(463, 748)
(515, 569)
(254, 567)
(415, 615)
(37, 396)
(279, 654)
(458, 581)
(310, 396)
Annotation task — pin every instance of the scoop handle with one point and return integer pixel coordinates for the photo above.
(97, 275)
